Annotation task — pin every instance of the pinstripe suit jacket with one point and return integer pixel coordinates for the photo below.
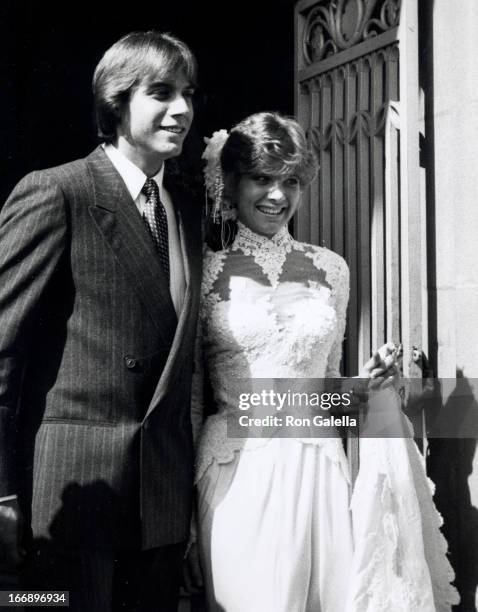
(95, 367)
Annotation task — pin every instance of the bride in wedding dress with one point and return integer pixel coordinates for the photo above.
(279, 529)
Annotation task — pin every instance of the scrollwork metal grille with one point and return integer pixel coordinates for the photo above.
(344, 103)
(331, 27)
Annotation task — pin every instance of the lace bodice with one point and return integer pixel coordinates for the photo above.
(271, 308)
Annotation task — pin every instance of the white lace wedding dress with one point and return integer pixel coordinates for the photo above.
(279, 530)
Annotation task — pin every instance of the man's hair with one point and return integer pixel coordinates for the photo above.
(268, 143)
(132, 59)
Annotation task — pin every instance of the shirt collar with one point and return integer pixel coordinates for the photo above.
(133, 177)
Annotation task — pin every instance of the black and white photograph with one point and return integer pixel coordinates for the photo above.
(238, 306)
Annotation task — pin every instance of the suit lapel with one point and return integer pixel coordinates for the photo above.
(118, 219)
(191, 246)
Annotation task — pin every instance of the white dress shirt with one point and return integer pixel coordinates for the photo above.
(134, 179)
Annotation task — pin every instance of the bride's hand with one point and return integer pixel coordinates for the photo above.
(381, 369)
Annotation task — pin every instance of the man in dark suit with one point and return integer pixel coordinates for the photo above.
(100, 266)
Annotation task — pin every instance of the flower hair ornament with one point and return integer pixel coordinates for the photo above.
(222, 209)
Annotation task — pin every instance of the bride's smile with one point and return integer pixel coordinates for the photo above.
(265, 202)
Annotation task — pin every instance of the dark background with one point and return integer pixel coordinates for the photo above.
(48, 52)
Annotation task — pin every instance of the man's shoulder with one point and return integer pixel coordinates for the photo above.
(73, 180)
(71, 177)
(72, 169)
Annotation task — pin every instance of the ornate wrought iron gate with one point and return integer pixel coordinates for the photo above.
(357, 98)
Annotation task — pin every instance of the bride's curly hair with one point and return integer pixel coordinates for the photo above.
(268, 143)
(264, 143)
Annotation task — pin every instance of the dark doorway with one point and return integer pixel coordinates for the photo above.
(47, 56)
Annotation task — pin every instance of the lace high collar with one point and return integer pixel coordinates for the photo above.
(250, 242)
(268, 253)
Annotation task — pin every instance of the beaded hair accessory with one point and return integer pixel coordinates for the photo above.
(222, 209)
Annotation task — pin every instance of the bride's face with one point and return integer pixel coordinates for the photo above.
(265, 203)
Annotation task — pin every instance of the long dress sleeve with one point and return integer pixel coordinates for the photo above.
(341, 291)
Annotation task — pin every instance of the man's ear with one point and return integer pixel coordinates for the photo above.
(121, 102)
(120, 111)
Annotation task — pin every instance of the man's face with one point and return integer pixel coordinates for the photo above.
(156, 120)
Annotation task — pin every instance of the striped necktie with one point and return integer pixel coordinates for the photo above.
(155, 217)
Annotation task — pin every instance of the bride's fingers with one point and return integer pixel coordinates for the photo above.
(387, 349)
(382, 361)
(388, 365)
(386, 379)
(371, 364)
(377, 372)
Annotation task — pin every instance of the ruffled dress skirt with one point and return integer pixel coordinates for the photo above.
(280, 531)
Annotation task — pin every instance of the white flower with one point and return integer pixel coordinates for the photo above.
(214, 146)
